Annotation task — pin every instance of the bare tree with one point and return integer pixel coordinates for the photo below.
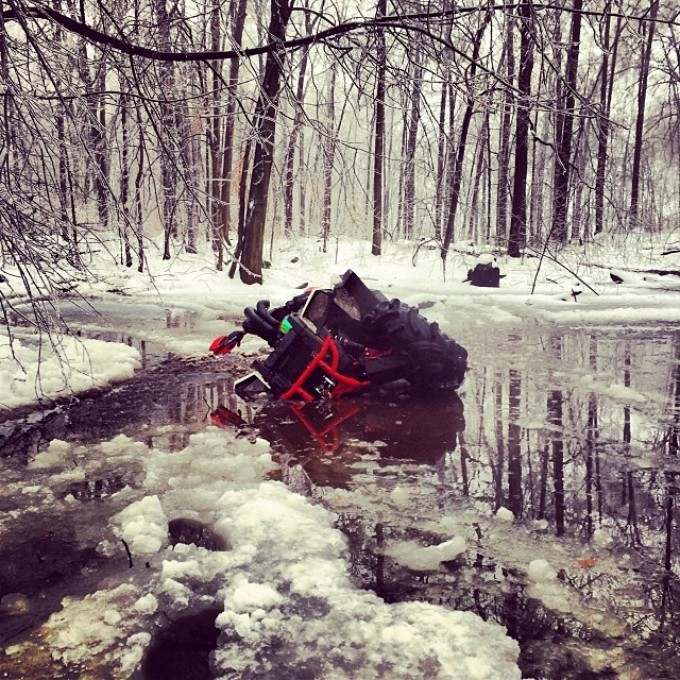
(564, 128)
(411, 131)
(518, 215)
(504, 141)
(167, 132)
(379, 132)
(648, 28)
(224, 220)
(264, 130)
(442, 154)
(295, 145)
(470, 103)
(607, 71)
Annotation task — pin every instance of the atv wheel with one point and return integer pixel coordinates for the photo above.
(435, 361)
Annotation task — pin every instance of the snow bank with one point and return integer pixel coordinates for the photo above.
(60, 368)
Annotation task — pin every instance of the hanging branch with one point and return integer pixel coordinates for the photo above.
(125, 46)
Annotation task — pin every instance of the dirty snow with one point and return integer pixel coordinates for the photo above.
(59, 367)
(282, 584)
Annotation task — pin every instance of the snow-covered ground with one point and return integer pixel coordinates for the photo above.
(573, 287)
(283, 582)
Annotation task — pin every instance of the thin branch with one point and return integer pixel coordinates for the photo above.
(123, 45)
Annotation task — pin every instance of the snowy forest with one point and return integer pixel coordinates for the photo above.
(158, 158)
(234, 123)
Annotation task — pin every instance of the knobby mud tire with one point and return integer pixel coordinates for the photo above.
(436, 361)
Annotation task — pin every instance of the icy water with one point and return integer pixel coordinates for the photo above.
(558, 464)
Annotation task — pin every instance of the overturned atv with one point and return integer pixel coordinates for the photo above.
(329, 342)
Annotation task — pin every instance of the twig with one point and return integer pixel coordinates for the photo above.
(129, 554)
(550, 256)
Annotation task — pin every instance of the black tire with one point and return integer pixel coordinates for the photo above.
(436, 361)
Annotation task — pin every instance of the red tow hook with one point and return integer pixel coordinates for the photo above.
(226, 343)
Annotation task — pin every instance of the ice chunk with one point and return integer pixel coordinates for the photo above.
(245, 596)
(414, 556)
(143, 526)
(540, 570)
(399, 495)
(84, 628)
(148, 604)
(505, 515)
(53, 455)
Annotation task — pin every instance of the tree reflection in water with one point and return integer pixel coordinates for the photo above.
(576, 433)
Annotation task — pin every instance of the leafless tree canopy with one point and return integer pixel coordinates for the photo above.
(183, 123)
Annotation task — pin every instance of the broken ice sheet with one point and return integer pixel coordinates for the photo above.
(287, 606)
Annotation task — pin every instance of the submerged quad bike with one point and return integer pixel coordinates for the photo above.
(330, 342)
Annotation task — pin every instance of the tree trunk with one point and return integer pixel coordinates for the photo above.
(504, 142)
(124, 214)
(263, 157)
(450, 154)
(565, 126)
(379, 133)
(442, 149)
(101, 150)
(213, 137)
(462, 140)
(603, 127)
(518, 215)
(477, 184)
(537, 189)
(238, 18)
(166, 128)
(634, 212)
(139, 210)
(303, 187)
(411, 142)
(328, 146)
(289, 161)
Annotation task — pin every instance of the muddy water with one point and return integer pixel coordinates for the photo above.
(562, 446)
